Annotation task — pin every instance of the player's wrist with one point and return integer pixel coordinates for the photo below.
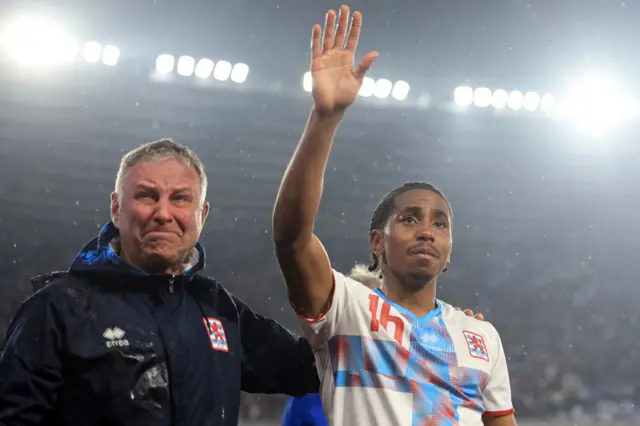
(327, 117)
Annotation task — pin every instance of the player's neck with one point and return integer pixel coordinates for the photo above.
(419, 302)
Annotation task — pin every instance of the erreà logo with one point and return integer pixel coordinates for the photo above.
(114, 337)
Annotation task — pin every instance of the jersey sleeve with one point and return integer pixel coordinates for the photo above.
(497, 394)
(319, 330)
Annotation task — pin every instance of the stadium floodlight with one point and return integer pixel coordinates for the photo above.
(92, 52)
(239, 73)
(110, 55)
(594, 104)
(222, 71)
(204, 68)
(482, 97)
(37, 42)
(186, 66)
(463, 96)
(383, 88)
(499, 99)
(531, 101)
(560, 112)
(367, 88)
(307, 83)
(548, 103)
(400, 90)
(165, 63)
(516, 98)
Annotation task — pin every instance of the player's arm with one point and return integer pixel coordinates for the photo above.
(508, 420)
(497, 394)
(302, 258)
(30, 364)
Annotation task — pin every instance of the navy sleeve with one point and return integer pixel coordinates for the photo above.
(30, 365)
(273, 359)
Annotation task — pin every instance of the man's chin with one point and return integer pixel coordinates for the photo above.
(422, 276)
(159, 261)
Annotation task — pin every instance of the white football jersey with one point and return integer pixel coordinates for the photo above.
(380, 365)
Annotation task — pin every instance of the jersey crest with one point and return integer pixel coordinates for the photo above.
(216, 333)
(477, 347)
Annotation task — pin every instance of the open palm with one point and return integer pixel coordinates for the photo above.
(335, 82)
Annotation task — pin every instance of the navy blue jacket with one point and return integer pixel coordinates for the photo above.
(107, 344)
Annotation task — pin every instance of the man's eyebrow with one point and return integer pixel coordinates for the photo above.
(440, 214)
(411, 210)
(144, 185)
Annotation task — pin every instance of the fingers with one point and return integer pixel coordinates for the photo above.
(336, 36)
(365, 64)
(469, 313)
(329, 30)
(345, 34)
(316, 42)
(343, 24)
(354, 32)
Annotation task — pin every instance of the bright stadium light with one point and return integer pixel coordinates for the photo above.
(222, 71)
(594, 104)
(383, 88)
(463, 96)
(239, 73)
(307, 83)
(110, 55)
(92, 52)
(515, 101)
(186, 65)
(400, 90)
(531, 101)
(37, 42)
(548, 103)
(482, 97)
(204, 68)
(367, 88)
(165, 63)
(560, 111)
(499, 99)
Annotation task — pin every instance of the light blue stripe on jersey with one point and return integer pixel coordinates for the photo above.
(428, 369)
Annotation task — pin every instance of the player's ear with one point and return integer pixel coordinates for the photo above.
(376, 241)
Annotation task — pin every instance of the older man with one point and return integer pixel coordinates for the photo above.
(132, 334)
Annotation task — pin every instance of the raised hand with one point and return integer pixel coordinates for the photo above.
(335, 82)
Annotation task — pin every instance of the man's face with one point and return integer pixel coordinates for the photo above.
(159, 214)
(415, 244)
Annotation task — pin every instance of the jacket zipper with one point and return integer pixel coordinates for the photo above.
(171, 280)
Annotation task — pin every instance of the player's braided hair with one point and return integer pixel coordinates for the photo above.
(384, 209)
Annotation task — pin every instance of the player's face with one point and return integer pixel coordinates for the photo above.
(416, 242)
(159, 215)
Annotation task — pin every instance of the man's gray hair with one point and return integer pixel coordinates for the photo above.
(159, 150)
